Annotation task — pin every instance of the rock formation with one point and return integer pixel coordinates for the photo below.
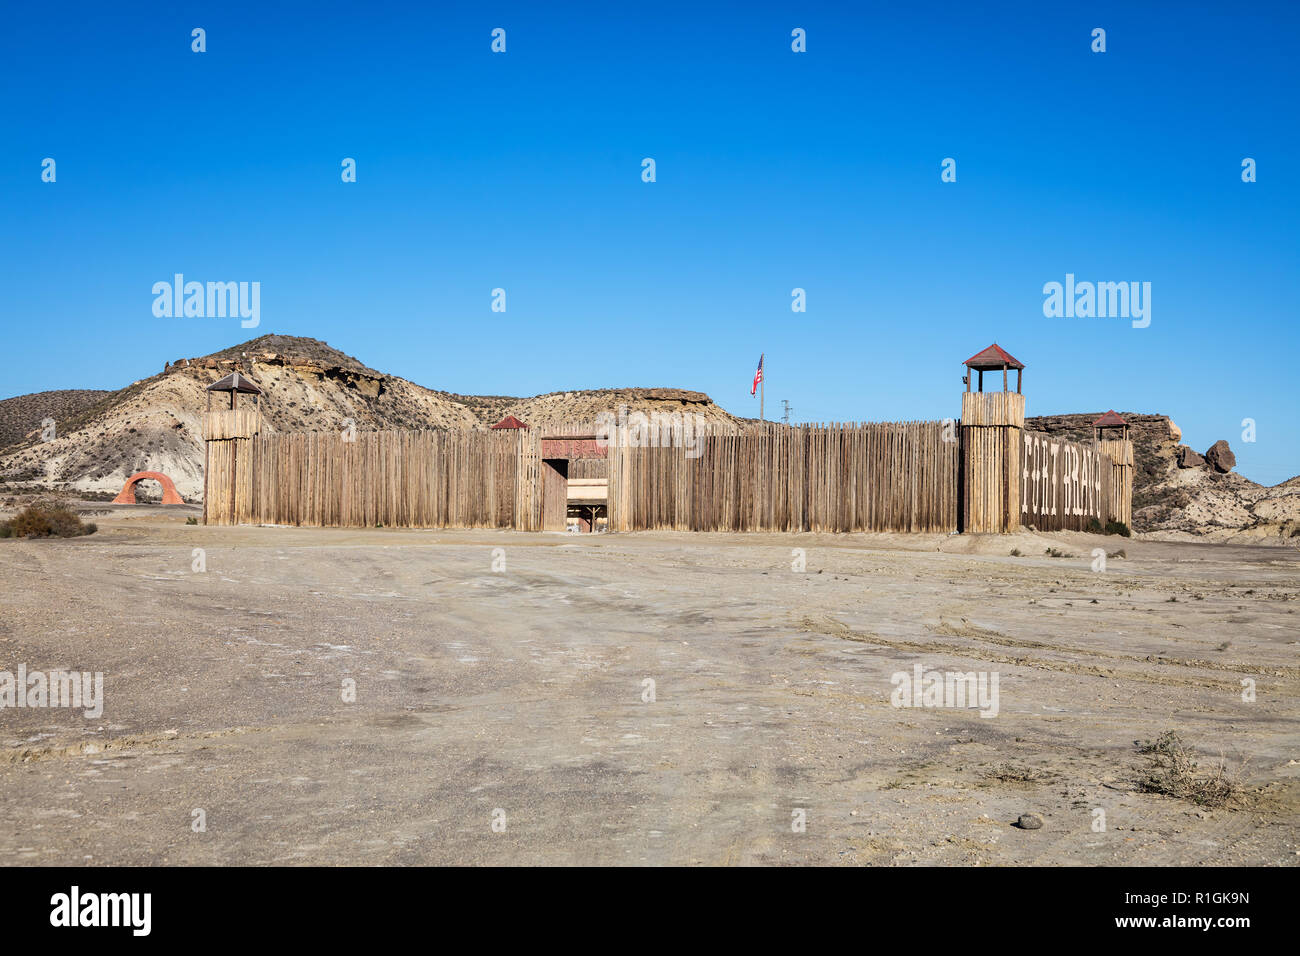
(1220, 457)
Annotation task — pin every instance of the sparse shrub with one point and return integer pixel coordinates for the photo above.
(46, 520)
(191, 520)
(1094, 526)
(1174, 773)
(1015, 552)
(1118, 527)
(1057, 553)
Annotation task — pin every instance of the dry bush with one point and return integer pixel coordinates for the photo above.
(45, 519)
(1174, 773)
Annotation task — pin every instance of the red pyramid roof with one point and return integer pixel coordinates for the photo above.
(510, 422)
(995, 356)
(1110, 418)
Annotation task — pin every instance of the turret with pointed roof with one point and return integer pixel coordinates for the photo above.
(991, 359)
(1110, 420)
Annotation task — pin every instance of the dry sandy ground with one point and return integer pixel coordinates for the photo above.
(521, 691)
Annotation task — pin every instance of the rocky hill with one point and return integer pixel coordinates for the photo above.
(1178, 491)
(155, 424)
(557, 409)
(21, 416)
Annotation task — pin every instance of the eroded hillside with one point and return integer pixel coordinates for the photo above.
(155, 424)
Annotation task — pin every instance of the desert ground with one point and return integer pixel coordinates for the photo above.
(508, 687)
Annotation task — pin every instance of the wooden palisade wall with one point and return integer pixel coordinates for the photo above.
(1066, 485)
(898, 476)
(408, 479)
(1063, 483)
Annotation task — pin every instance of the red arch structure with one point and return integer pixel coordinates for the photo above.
(127, 495)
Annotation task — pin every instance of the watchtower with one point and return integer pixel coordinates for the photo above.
(1111, 433)
(228, 433)
(992, 424)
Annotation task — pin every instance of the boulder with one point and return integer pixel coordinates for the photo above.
(1187, 458)
(1175, 433)
(1220, 457)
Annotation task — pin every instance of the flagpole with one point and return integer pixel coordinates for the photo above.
(761, 382)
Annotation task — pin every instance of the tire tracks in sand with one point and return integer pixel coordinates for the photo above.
(834, 628)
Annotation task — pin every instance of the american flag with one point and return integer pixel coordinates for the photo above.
(758, 376)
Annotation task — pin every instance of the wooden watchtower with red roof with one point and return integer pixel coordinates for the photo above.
(991, 427)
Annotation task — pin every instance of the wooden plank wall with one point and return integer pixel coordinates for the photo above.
(588, 468)
(1063, 483)
(528, 480)
(414, 479)
(222, 423)
(895, 476)
(555, 494)
(228, 482)
(990, 478)
(217, 482)
(993, 408)
(1117, 459)
(839, 477)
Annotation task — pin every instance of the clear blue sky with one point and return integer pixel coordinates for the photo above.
(775, 170)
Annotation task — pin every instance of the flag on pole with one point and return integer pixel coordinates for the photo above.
(758, 376)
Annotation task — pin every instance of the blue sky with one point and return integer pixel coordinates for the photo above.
(775, 170)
